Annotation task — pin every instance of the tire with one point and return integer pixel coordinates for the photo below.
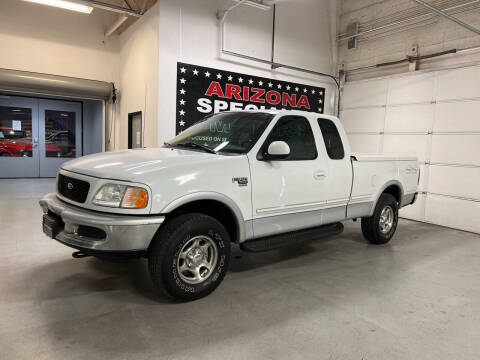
(5, 154)
(189, 256)
(376, 228)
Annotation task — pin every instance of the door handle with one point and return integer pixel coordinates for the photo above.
(319, 175)
(35, 142)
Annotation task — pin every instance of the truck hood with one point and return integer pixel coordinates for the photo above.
(137, 165)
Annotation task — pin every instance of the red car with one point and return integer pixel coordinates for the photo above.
(15, 143)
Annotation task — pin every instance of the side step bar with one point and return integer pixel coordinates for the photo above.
(291, 238)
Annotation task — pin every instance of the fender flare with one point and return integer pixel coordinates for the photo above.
(382, 189)
(215, 196)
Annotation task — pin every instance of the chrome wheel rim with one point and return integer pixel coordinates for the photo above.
(197, 259)
(386, 219)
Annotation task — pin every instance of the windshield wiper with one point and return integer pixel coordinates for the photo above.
(195, 145)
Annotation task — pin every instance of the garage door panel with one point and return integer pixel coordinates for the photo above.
(406, 145)
(457, 116)
(459, 84)
(362, 143)
(415, 211)
(368, 93)
(439, 210)
(411, 89)
(456, 149)
(409, 118)
(455, 181)
(363, 120)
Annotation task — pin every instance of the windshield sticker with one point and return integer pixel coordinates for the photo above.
(203, 90)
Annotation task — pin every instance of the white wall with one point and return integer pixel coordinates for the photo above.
(49, 40)
(138, 76)
(432, 34)
(431, 115)
(189, 32)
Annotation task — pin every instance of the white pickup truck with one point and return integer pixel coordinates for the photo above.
(260, 179)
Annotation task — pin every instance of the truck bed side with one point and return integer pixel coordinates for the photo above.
(373, 174)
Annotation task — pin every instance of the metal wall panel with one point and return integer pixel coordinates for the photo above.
(411, 89)
(409, 118)
(368, 93)
(365, 120)
(458, 83)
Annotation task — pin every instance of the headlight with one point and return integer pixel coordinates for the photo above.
(116, 195)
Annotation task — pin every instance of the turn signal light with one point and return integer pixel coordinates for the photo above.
(135, 198)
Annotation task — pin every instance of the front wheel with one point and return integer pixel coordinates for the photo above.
(380, 227)
(189, 256)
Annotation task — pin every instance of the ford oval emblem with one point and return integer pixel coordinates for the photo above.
(69, 186)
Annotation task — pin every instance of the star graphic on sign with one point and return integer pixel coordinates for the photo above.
(250, 81)
(182, 123)
(207, 74)
(288, 87)
(320, 109)
(321, 92)
(313, 91)
(296, 89)
(182, 80)
(279, 86)
(182, 91)
(182, 112)
(182, 102)
(219, 76)
(260, 83)
(240, 79)
(304, 90)
(182, 70)
(195, 72)
(320, 101)
(270, 84)
(230, 78)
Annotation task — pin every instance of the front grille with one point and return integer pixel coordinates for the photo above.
(73, 189)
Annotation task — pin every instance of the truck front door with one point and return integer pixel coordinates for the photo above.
(288, 194)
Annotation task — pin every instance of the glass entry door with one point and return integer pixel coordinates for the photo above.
(60, 134)
(37, 136)
(19, 155)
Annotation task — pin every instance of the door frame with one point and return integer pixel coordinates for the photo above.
(130, 127)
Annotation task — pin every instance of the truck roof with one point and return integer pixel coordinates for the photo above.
(286, 112)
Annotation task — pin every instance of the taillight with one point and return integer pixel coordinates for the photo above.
(418, 181)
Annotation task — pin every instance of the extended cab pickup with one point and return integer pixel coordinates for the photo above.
(262, 179)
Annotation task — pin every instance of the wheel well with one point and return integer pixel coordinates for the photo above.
(393, 190)
(213, 208)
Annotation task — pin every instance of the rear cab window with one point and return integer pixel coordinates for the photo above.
(332, 139)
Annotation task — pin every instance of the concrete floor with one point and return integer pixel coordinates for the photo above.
(339, 298)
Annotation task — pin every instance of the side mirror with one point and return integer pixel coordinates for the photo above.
(277, 150)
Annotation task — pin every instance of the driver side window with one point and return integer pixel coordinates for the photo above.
(296, 132)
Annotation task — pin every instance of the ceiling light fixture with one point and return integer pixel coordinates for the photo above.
(64, 4)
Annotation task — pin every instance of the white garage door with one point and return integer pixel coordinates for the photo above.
(434, 116)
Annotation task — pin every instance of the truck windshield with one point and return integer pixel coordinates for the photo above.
(234, 132)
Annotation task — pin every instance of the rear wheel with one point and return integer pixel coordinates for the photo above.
(189, 256)
(380, 227)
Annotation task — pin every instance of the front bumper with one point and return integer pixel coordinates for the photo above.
(121, 233)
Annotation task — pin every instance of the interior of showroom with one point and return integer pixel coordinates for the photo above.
(84, 77)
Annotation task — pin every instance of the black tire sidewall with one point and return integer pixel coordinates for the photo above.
(195, 225)
(384, 201)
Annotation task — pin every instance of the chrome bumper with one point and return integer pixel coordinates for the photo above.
(122, 232)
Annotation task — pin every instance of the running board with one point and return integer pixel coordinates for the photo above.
(292, 238)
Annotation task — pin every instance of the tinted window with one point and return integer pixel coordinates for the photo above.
(297, 133)
(332, 139)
